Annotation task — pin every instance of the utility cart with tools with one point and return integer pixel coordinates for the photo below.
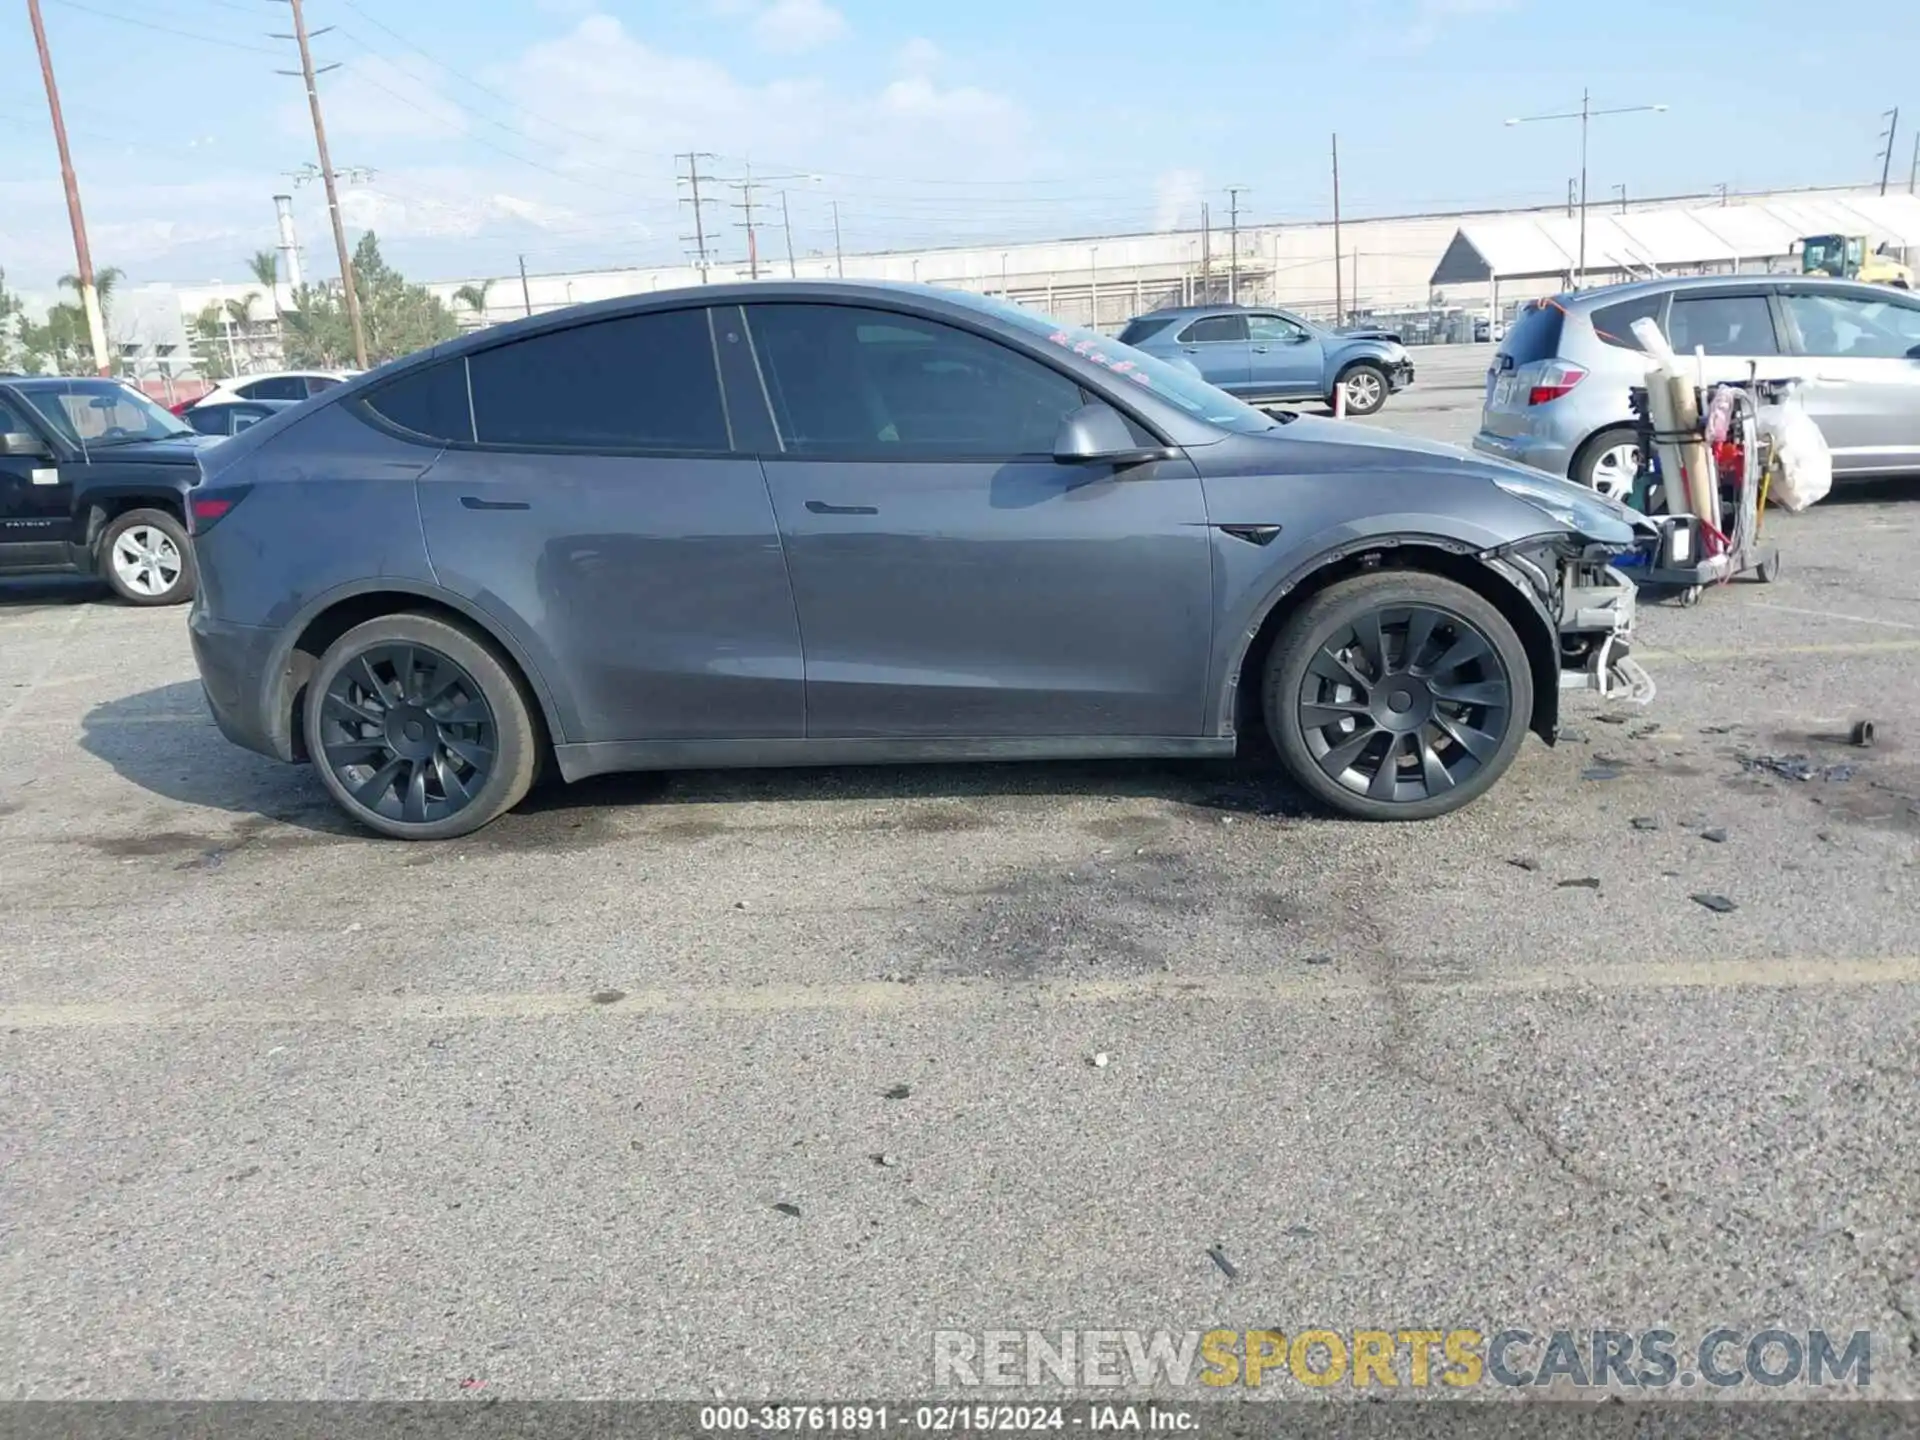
(1692, 551)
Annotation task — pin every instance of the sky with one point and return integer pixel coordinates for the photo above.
(473, 132)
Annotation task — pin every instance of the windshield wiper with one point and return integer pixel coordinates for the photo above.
(134, 439)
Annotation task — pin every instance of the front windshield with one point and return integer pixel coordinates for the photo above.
(1176, 386)
(95, 414)
(1824, 252)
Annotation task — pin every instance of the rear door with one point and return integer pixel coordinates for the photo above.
(1217, 346)
(1736, 329)
(954, 581)
(1284, 358)
(594, 498)
(1862, 356)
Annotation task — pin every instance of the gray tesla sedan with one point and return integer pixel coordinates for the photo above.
(832, 523)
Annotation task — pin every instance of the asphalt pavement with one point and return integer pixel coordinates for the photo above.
(747, 1084)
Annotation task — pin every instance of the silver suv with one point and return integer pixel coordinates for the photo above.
(1557, 390)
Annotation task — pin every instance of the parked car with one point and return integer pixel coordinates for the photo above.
(230, 417)
(800, 523)
(1263, 356)
(273, 385)
(1556, 396)
(93, 481)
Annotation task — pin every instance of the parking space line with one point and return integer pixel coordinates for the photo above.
(1830, 615)
(888, 996)
(1767, 652)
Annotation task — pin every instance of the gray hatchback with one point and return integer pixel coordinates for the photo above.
(1556, 396)
(800, 524)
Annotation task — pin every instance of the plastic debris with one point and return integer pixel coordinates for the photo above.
(1600, 772)
(1585, 882)
(1319, 959)
(1219, 1257)
(1719, 904)
(1524, 862)
(1797, 767)
(898, 1092)
(607, 997)
(1644, 822)
(886, 1160)
(1100, 1060)
(1716, 835)
(787, 1208)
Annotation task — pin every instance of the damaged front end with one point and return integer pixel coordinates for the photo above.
(1590, 603)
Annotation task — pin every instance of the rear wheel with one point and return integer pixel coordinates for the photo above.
(1365, 388)
(1609, 461)
(145, 556)
(418, 729)
(1397, 696)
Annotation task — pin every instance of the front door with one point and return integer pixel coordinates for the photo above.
(1217, 347)
(953, 580)
(1863, 375)
(603, 509)
(1285, 358)
(36, 496)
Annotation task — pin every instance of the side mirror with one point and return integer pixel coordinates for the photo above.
(1097, 435)
(15, 442)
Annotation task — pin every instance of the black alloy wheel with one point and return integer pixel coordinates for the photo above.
(418, 729)
(1402, 696)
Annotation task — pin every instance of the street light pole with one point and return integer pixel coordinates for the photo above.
(82, 254)
(1586, 115)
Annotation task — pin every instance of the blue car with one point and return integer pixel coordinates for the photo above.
(1266, 355)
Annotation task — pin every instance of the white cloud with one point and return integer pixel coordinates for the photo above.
(792, 26)
(373, 97)
(919, 56)
(1432, 18)
(1176, 199)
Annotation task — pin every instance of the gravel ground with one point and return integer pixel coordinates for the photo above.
(291, 1112)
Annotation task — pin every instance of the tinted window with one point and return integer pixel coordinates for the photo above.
(315, 384)
(1724, 324)
(1146, 328)
(1276, 328)
(1535, 334)
(1614, 323)
(209, 419)
(11, 420)
(244, 418)
(279, 387)
(1215, 327)
(431, 402)
(850, 381)
(1850, 326)
(644, 382)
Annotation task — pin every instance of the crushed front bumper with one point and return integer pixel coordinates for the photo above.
(1591, 605)
(1399, 376)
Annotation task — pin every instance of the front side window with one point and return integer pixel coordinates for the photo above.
(1276, 329)
(1853, 327)
(1214, 328)
(870, 383)
(641, 382)
(1723, 324)
(103, 413)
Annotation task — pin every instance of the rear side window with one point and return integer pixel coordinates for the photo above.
(317, 383)
(279, 387)
(1723, 324)
(1535, 334)
(1613, 324)
(1145, 329)
(642, 382)
(1215, 327)
(431, 402)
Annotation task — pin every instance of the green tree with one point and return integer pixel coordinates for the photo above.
(210, 334)
(59, 345)
(398, 316)
(105, 282)
(474, 296)
(13, 312)
(265, 265)
(241, 310)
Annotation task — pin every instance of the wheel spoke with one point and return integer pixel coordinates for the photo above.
(1482, 692)
(414, 807)
(1319, 716)
(1373, 642)
(1468, 646)
(370, 682)
(1328, 665)
(1420, 625)
(1387, 777)
(439, 684)
(350, 711)
(356, 751)
(451, 785)
(1477, 743)
(474, 753)
(377, 785)
(473, 712)
(1437, 776)
(1342, 756)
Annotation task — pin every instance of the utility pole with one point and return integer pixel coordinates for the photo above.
(526, 293)
(786, 224)
(83, 256)
(307, 73)
(745, 205)
(1206, 251)
(1339, 300)
(1886, 156)
(1913, 175)
(699, 236)
(1233, 244)
(839, 264)
(1623, 198)
(1586, 115)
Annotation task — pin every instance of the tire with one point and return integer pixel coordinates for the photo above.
(146, 559)
(1371, 383)
(1322, 693)
(406, 714)
(1604, 463)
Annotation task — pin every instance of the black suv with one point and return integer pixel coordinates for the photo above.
(93, 480)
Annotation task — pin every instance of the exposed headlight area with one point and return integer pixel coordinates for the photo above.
(1585, 512)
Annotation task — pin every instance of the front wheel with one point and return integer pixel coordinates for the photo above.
(418, 729)
(1397, 696)
(1365, 388)
(146, 558)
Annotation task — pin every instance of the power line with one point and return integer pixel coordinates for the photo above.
(165, 29)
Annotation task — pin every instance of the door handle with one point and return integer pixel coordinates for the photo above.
(821, 507)
(1259, 349)
(474, 502)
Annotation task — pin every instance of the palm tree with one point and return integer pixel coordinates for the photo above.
(265, 265)
(104, 282)
(474, 296)
(241, 311)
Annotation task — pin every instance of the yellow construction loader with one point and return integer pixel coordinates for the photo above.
(1851, 257)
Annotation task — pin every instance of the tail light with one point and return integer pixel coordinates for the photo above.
(1555, 379)
(205, 508)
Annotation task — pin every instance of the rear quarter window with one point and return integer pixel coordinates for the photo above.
(431, 402)
(1139, 330)
(1535, 333)
(1613, 324)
